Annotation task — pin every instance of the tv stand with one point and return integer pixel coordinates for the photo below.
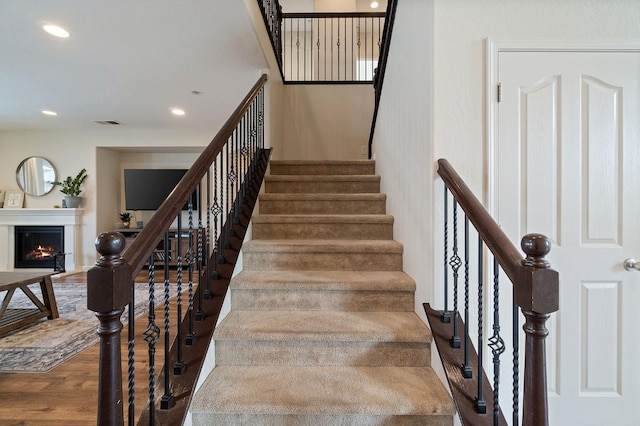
(159, 254)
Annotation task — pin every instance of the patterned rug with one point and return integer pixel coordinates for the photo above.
(44, 345)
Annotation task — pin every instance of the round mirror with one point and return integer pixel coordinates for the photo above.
(35, 176)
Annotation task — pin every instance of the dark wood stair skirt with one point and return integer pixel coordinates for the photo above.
(464, 391)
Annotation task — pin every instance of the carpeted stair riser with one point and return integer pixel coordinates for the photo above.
(320, 255)
(322, 338)
(322, 203)
(323, 227)
(322, 184)
(328, 290)
(322, 167)
(325, 395)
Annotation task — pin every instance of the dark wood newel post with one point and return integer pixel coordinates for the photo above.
(108, 292)
(537, 295)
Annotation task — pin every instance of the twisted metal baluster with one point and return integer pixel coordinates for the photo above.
(179, 366)
(190, 339)
(480, 403)
(200, 312)
(131, 372)
(455, 263)
(228, 171)
(208, 294)
(466, 368)
(496, 343)
(151, 335)
(446, 317)
(516, 365)
(167, 399)
(215, 210)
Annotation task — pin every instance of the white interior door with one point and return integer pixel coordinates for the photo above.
(567, 164)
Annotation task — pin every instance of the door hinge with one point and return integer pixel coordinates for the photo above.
(499, 92)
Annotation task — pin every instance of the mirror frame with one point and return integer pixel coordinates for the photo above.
(34, 177)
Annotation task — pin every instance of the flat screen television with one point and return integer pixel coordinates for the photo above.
(146, 189)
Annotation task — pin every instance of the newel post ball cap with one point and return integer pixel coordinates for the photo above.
(536, 247)
(109, 245)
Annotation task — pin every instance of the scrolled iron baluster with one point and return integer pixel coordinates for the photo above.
(446, 317)
(167, 398)
(467, 373)
(131, 355)
(208, 294)
(496, 343)
(151, 335)
(216, 210)
(479, 402)
(455, 262)
(179, 366)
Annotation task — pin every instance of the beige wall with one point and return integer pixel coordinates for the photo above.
(326, 122)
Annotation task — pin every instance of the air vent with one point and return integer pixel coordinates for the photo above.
(108, 122)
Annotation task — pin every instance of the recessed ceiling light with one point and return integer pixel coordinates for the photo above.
(177, 111)
(55, 30)
(47, 112)
(374, 5)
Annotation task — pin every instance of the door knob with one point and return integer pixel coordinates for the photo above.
(631, 264)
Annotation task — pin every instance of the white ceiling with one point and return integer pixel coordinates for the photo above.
(128, 61)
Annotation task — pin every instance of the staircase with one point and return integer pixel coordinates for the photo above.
(322, 329)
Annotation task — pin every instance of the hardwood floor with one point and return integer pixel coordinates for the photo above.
(67, 395)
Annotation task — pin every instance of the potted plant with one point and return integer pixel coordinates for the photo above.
(72, 187)
(125, 220)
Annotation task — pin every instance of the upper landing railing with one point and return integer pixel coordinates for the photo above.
(321, 48)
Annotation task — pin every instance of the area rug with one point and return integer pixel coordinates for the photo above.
(44, 345)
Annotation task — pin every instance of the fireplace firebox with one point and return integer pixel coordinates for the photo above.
(38, 246)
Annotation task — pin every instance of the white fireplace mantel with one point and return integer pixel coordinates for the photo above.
(71, 219)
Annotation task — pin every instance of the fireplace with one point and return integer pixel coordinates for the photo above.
(38, 246)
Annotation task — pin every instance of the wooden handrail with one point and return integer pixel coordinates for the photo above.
(145, 243)
(535, 285)
(378, 79)
(535, 289)
(334, 15)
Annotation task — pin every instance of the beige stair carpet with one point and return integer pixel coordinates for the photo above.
(322, 328)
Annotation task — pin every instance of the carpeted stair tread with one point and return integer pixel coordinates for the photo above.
(324, 280)
(343, 227)
(298, 203)
(309, 167)
(356, 392)
(323, 290)
(316, 184)
(323, 326)
(322, 246)
(323, 218)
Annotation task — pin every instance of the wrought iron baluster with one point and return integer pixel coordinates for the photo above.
(496, 343)
(446, 317)
(208, 294)
(131, 366)
(215, 210)
(229, 169)
(298, 47)
(167, 399)
(480, 403)
(466, 367)
(516, 364)
(151, 335)
(179, 366)
(338, 52)
(190, 260)
(455, 262)
(200, 312)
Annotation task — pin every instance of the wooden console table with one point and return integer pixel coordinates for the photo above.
(11, 319)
